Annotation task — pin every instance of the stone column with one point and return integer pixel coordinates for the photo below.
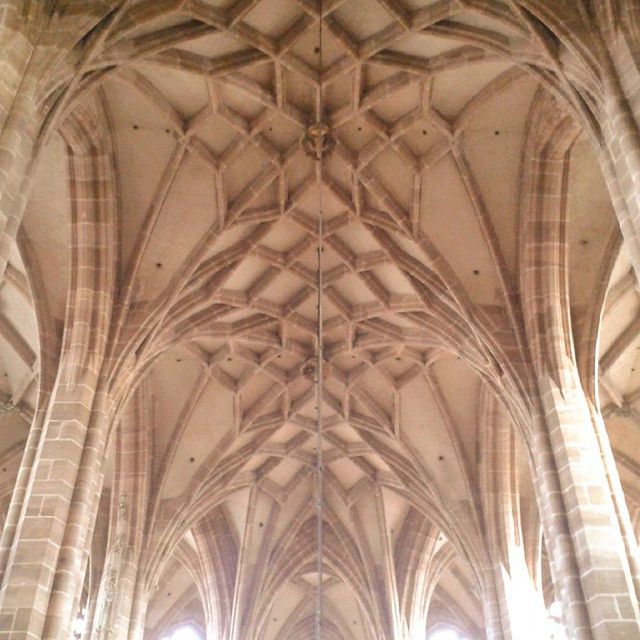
(19, 113)
(213, 569)
(421, 558)
(115, 599)
(590, 562)
(619, 118)
(14, 511)
(513, 603)
(595, 49)
(49, 544)
(37, 71)
(138, 618)
(96, 560)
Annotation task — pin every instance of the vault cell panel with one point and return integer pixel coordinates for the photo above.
(211, 419)
(422, 136)
(492, 142)
(353, 291)
(243, 170)
(362, 19)
(340, 171)
(309, 259)
(625, 372)
(241, 101)
(273, 17)
(453, 88)
(177, 586)
(285, 433)
(393, 280)
(236, 507)
(620, 317)
(188, 213)
(299, 91)
(342, 600)
(21, 313)
(47, 221)
(229, 238)
(396, 509)
(308, 203)
(368, 514)
(169, 398)
(422, 426)
(257, 527)
(185, 91)
(263, 74)
(284, 472)
(286, 600)
(450, 584)
(395, 176)
(142, 157)
(282, 132)
(258, 385)
(299, 169)
(591, 223)
(625, 437)
(346, 472)
(621, 268)
(246, 272)
(338, 93)
(217, 135)
(214, 45)
(306, 48)
(355, 133)
(423, 45)
(14, 429)
(346, 433)
(282, 289)
(459, 386)
(374, 73)
(358, 238)
(450, 221)
(131, 109)
(398, 102)
(284, 236)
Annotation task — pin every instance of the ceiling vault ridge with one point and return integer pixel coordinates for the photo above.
(295, 253)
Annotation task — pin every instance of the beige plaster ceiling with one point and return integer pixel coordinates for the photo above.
(424, 180)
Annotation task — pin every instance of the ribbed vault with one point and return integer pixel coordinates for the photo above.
(197, 109)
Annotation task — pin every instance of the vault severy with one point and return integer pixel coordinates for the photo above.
(206, 104)
(228, 162)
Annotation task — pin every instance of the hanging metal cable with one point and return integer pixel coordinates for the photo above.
(319, 389)
(319, 368)
(318, 143)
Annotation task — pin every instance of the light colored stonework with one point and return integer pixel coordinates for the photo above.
(157, 318)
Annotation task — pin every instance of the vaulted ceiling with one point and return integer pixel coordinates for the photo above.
(205, 104)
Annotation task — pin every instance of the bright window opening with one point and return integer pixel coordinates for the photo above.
(80, 624)
(555, 627)
(445, 634)
(183, 633)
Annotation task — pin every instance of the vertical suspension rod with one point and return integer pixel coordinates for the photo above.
(319, 478)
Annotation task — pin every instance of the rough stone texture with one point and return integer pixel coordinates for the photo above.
(212, 260)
